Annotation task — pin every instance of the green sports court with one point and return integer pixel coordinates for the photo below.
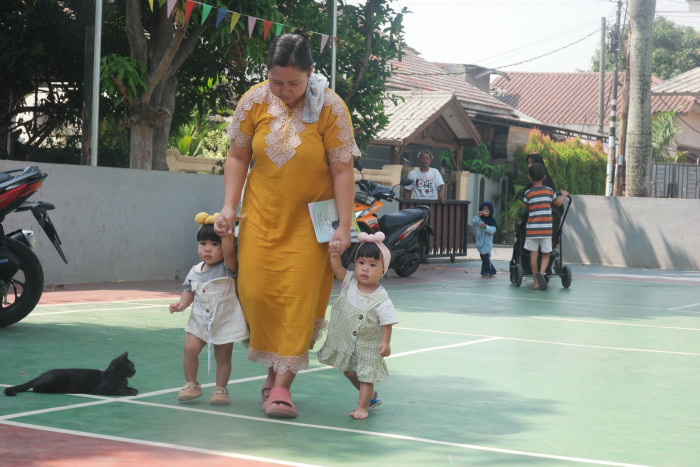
(483, 373)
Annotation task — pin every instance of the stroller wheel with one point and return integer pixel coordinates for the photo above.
(516, 275)
(566, 277)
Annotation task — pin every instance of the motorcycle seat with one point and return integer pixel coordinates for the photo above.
(391, 222)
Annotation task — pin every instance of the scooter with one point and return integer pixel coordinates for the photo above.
(407, 231)
(21, 274)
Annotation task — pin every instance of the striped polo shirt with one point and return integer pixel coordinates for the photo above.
(538, 203)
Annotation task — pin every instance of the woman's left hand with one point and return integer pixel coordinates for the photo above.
(343, 236)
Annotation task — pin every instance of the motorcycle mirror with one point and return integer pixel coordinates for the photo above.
(356, 164)
(406, 182)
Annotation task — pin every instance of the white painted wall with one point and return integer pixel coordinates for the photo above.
(123, 224)
(119, 224)
(636, 232)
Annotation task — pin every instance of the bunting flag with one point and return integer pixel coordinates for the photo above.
(234, 20)
(189, 4)
(251, 25)
(205, 12)
(220, 17)
(221, 14)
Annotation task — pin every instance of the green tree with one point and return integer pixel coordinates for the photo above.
(165, 44)
(38, 58)
(676, 49)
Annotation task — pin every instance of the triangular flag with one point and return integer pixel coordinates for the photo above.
(205, 12)
(171, 5)
(279, 30)
(234, 20)
(150, 2)
(189, 4)
(324, 39)
(220, 16)
(266, 28)
(251, 25)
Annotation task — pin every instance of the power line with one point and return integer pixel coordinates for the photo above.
(550, 53)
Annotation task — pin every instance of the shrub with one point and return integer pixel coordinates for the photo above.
(574, 166)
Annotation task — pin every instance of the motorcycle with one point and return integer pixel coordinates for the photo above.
(21, 274)
(407, 231)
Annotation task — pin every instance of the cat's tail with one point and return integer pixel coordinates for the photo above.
(12, 391)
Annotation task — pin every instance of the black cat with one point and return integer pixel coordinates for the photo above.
(111, 382)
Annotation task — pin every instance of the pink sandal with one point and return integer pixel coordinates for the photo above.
(279, 404)
(269, 384)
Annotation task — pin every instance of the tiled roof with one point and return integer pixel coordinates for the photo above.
(415, 110)
(569, 98)
(416, 73)
(687, 83)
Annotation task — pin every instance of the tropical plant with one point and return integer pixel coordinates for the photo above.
(664, 129)
(513, 211)
(476, 159)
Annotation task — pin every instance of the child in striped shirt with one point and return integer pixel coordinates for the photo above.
(538, 201)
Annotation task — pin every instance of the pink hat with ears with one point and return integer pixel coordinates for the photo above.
(377, 238)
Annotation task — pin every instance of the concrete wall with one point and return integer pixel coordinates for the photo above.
(636, 232)
(119, 224)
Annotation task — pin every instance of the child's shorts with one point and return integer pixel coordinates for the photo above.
(544, 244)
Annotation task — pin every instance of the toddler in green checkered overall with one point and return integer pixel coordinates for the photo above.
(359, 334)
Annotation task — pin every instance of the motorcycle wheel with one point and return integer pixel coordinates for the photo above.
(411, 261)
(25, 288)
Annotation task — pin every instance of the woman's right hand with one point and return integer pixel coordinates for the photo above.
(224, 221)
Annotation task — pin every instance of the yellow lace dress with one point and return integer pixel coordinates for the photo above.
(285, 279)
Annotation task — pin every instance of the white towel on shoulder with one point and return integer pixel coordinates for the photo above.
(315, 93)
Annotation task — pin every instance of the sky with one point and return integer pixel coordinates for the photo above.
(497, 33)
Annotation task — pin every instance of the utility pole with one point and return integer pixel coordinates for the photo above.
(609, 177)
(601, 87)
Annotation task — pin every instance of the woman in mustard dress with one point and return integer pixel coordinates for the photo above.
(299, 135)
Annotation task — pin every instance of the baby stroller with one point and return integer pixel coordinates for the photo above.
(520, 263)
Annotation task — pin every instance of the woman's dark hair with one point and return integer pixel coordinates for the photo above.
(369, 250)
(536, 158)
(291, 49)
(207, 233)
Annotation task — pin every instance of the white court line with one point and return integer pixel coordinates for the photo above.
(156, 444)
(684, 306)
(626, 349)
(614, 324)
(102, 302)
(564, 302)
(48, 313)
(132, 400)
(327, 428)
(452, 346)
(669, 278)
